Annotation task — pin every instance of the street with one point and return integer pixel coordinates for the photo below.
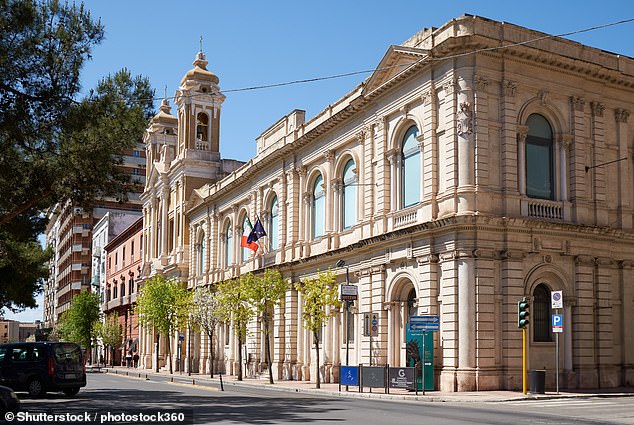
(116, 393)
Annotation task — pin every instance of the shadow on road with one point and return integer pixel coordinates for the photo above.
(206, 407)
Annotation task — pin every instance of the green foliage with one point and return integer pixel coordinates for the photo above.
(54, 148)
(318, 293)
(162, 304)
(264, 294)
(78, 323)
(110, 331)
(234, 305)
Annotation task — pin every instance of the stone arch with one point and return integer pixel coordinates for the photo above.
(400, 128)
(552, 114)
(401, 302)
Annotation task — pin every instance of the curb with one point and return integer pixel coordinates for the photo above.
(214, 383)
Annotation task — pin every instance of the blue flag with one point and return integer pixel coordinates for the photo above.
(257, 232)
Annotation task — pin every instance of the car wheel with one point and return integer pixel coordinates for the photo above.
(36, 388)
(71, 391)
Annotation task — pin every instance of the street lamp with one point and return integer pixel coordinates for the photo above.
(342, 263)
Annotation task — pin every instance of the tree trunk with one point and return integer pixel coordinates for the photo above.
(156, 353)
(267, 348)
(169, 354)
(239, 359)
(317, 352)
(211, 353)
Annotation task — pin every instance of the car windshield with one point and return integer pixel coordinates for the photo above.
(3, 352)
(67, 353)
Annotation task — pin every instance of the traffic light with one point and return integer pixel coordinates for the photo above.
(522, 313)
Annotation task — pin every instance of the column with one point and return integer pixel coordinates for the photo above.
(329, 224)
(584, 355)
(299, 374)
(466, 323)
(164, 211)
(599, 190)
(624, 169)
(522, 132)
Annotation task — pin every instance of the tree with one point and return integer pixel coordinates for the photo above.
(234, 306)
(205, 313)
(319, 302)
(265, 293)
(54, 148)
(111, 334)
(78, 323)
(162, 304)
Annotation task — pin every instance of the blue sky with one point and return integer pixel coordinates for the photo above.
(256, 43)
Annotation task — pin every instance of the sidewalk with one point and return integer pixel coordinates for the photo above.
(332, 390)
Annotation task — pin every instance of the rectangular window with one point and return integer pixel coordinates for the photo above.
(136, 153)
(539, 182)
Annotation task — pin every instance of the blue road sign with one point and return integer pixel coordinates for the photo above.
(349, 375)
(557, 321)
(424, 323)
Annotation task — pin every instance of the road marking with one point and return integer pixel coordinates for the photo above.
(184, 384)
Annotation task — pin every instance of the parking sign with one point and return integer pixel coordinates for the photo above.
(557, 299)
(558, 325)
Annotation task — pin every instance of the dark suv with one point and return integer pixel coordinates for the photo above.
(38, 367)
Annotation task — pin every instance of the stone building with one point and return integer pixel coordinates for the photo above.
(482, 162)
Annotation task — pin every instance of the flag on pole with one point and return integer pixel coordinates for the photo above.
(245, 243)
(257, 232)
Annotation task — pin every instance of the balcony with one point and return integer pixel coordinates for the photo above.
(405, 217)
(544, 209)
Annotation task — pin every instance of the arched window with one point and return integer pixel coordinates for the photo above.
(410, 169)
(202, 127)
(201, 255)
(349, 201)
(539, 158)
(541, 314)
(246, 230)
(274, 225)
(228, 239)
(319, 207)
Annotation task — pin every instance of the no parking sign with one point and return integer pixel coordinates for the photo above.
(556, 299)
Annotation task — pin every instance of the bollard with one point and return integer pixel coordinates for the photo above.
(146, 378)
(172, 379)
(193, 382)
(222, 388)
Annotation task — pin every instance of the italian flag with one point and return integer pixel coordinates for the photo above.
(253, 246)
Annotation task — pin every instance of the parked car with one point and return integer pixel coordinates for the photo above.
(38, 367)
(9, 402)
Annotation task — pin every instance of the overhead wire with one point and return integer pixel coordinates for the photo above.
(405, 65)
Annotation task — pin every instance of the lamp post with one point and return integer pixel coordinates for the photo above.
(342, 263)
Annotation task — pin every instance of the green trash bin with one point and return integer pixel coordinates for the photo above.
(537, 381)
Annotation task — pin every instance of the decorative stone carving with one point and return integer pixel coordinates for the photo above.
(543, 96)
(329, 155)
(362, 134)
(449, 87)
(509, 87)
(427, 95)
(480, 83)
(621, 115)
(522, 132)
(597, 108)
(464, 119)
(577, 103)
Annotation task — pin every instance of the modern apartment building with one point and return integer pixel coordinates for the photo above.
(70, 232)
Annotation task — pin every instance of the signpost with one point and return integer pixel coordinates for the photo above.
(423, 324)
(557, 302)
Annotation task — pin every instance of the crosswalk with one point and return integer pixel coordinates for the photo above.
(600, 410)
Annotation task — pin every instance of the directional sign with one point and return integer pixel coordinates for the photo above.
(557, 299)
(558, 323)
(424, 323)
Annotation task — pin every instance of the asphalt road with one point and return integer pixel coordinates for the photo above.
(108, 393)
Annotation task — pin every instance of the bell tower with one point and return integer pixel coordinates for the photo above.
(199, 103)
